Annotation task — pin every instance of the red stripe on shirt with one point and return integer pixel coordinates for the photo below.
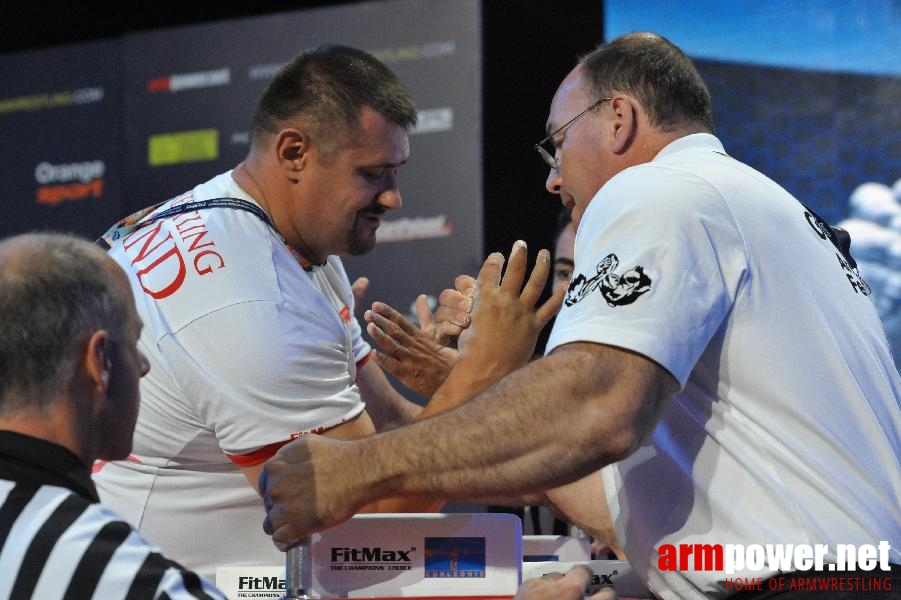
(261, 455)
(257, 457)
(99, 464)
(363, 361)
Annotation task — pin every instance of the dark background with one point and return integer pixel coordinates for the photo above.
(546, 37)
(527, 49)
(817, 133)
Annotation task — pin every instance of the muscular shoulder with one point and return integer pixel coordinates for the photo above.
(666, 189)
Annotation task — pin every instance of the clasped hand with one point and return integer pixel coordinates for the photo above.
(316, 482)
(502, 330)
(505, 320)
(415, 355)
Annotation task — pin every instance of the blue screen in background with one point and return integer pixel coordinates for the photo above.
(809, 93)
(852, 36)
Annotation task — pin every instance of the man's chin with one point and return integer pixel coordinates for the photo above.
(362, 244)
(576, 217)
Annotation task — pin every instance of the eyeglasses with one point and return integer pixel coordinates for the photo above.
(547, 148)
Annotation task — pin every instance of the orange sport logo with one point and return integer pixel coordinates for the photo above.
(69, 182)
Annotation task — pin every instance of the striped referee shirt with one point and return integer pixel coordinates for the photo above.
(59, 542)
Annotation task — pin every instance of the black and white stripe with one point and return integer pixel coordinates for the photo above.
(58, 545)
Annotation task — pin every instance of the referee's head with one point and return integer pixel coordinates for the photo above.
(69, 361)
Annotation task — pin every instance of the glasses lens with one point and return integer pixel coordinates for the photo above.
(548, 153)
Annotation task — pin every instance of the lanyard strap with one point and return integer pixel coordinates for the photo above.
(137, 220)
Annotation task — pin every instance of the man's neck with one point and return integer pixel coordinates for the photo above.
(251, 178)
(245, 179)
(58, 427)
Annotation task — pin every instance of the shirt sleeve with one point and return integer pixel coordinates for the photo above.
(658, 262)
(264, 372)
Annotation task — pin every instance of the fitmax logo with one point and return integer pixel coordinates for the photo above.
(261, 583)
(371, 555)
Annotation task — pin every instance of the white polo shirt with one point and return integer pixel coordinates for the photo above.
(786, 429)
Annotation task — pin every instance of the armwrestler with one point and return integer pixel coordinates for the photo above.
(248, 312)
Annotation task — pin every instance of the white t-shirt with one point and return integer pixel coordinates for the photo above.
(247, 351)
(786, 429)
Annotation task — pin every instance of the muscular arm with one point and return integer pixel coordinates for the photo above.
(548, 424)
(584, 504)
(384, 404)
(555, 420)
(360, 427)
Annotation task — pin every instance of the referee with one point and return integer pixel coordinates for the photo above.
(69, 371)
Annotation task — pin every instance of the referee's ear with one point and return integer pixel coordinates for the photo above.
(96, 363)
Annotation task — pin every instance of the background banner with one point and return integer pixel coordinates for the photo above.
(94, 131)
(61, 138)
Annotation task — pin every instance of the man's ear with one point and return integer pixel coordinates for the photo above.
(625, 124)
(96, 360)
(293, 149)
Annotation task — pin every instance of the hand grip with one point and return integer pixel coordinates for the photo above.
(299, 572)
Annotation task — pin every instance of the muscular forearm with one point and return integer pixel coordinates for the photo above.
(466, 380)
(500, 443)
(385, 405)
(545, 425)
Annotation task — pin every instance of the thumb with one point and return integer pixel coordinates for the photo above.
(359, 287)
(424, 313)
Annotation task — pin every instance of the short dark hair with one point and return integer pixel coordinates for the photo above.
(327, 87)
(657, 73)
(55, 291)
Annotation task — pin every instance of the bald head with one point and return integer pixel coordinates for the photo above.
(55, 290)
(657, 73)
(21, 255)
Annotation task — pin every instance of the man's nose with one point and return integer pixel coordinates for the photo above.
(390, 198)
(553, 181)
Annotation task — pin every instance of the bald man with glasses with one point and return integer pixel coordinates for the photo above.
(726, 360)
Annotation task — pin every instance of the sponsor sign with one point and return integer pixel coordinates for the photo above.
(182, 147)
(455, 557)
(410, 555)
(246, 583)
